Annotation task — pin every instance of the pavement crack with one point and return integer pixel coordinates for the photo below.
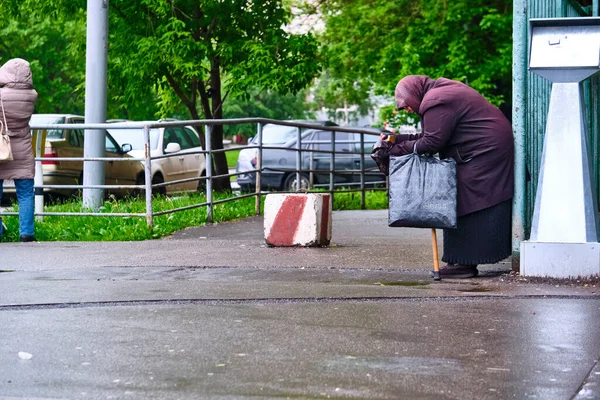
(303, 300)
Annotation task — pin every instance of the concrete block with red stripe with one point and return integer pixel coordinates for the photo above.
(297, 219)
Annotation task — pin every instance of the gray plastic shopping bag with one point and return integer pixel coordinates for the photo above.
(422, 192)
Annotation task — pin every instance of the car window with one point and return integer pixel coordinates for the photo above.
(193, 137)
(278, 134)
(135, 137)
(322, 141)
(75, 137)
(111, 145)
(368, 142)
(169, 137)
(184, 138)
(177, 135)
(40, 119)
(76, 140)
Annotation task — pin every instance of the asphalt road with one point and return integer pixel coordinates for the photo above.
(213, 313)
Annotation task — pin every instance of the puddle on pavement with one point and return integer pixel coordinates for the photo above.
(278, 395)
(51, 279)
(471, 287)
(400, 283)
(400, 365)
(475, 290)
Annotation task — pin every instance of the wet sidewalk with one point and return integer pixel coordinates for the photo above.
(213, 313)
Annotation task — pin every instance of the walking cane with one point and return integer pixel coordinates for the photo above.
(436, 263)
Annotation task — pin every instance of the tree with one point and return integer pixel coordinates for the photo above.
(338, 95)
(372, 44)
(54, 44)
(197, 53)
(200, 52)
(51, 45)
(265, 104)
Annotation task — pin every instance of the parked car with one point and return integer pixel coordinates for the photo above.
(279, 165)
(274, 134)
(69, 143)
(186, 161)
(66, 143)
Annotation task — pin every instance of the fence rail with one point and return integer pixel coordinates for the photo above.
(300, 149)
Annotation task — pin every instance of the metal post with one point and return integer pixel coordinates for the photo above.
(258, 168)
(298, 157)
(564, 229)
(95, 99)
(311, 163)
(148, 177)
(332, 166)
(40, 144)
(363, 203)
(519, 109)
(209, 174)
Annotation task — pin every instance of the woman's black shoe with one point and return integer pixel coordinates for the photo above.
(27, 238)
(458, 271)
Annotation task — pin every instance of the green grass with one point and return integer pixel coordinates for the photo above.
(100, 228)
(232, 156)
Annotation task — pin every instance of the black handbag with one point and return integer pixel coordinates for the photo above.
(381, 155)
(422, 192)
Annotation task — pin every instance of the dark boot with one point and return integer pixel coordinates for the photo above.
(27, 238)
(458, 271)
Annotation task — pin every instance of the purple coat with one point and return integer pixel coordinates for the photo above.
(458, 122)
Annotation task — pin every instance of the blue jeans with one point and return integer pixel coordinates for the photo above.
(25, 199)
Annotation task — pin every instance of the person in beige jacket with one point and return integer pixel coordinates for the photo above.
(17, 101)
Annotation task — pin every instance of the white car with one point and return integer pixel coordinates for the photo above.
(186, 161)
(182, 142)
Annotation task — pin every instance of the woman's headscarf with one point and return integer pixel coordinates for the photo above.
(410, 91)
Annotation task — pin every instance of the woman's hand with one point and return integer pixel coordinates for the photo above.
(388, 137)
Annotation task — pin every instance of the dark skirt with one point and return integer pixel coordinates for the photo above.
(482, 237)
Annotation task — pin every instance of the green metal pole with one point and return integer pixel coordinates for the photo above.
(519, 103)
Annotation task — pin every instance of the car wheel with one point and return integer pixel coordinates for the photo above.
(246, 189)
(157, 179)
(202, 183)
(291, 185)
(79, 191)
(138, 181)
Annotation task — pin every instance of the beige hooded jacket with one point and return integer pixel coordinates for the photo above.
(18, 99)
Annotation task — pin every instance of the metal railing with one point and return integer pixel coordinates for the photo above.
(300, 148)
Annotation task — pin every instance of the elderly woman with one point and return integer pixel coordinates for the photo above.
(17, 100)
(458, 122)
